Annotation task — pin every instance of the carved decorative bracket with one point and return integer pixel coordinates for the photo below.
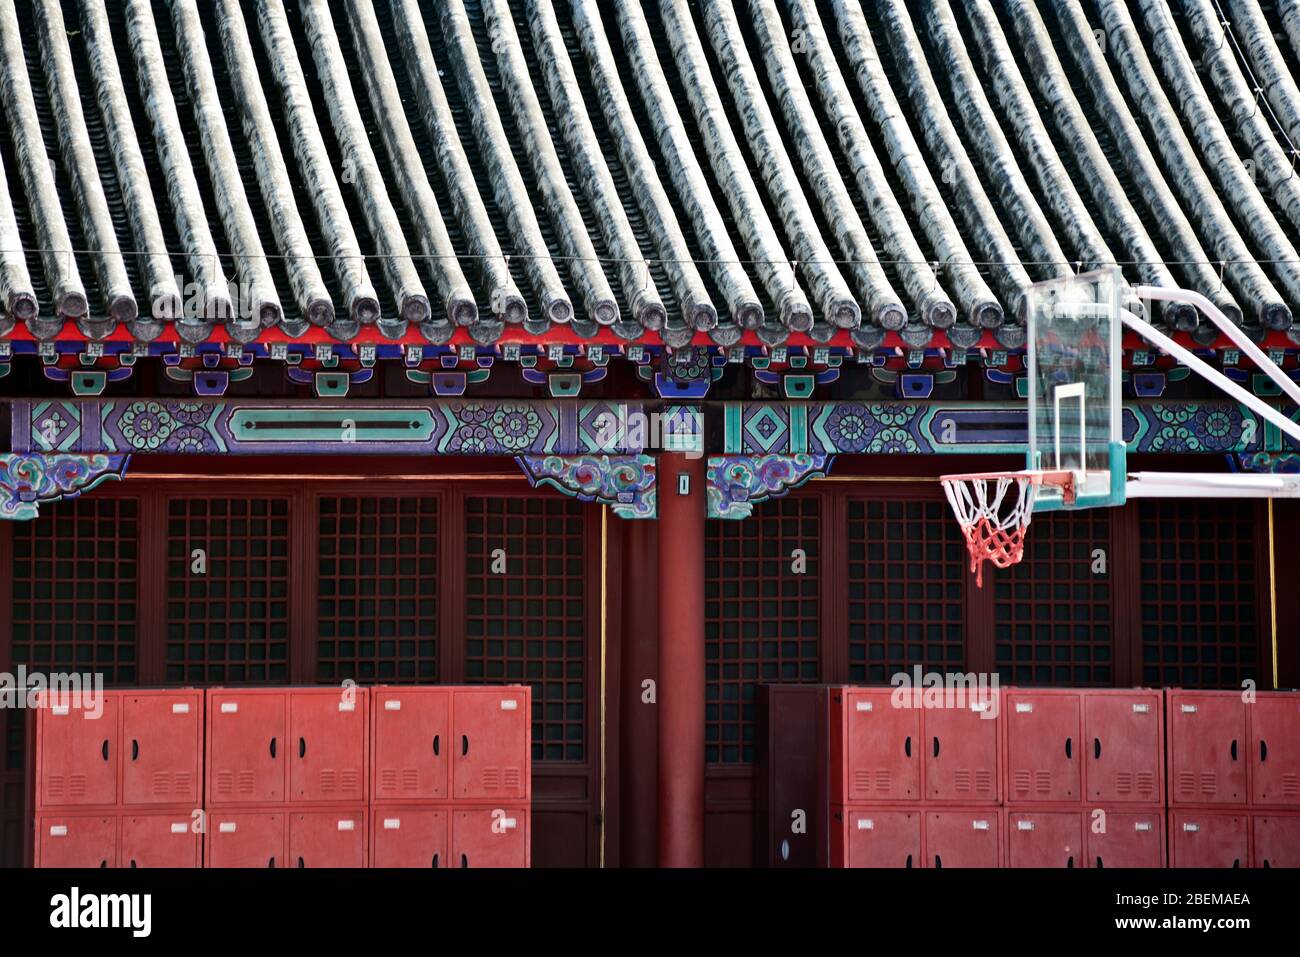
(29, 480)
(626, 483)
(738, 482)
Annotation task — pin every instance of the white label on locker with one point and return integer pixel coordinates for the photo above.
(862, 706)
(980, 706)
(508, 822)
(1190, 827)
(509, 704)
(392, 824)
(1188, 709)
(180, 827)
(1023, 707)
(1142, 826)
(59, 709)
(181, 707)
(1141, 708)
(1024, 825)
(226, 827)
(58, 830)
(347, 825)
(393, 704)
(229, 707)
(347, 706)
(980, 825)
(866, 824)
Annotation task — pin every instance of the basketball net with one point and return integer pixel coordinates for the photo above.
(995, 509)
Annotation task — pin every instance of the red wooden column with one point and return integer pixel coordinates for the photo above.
(681, 660)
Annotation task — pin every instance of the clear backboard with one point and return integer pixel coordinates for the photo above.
(1074, 362)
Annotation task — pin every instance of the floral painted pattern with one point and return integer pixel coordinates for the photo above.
(146, 425)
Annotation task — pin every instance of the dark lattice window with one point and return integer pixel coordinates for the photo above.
(377, 605)
(526, 611)
(75, 575)
(906, 582)
(1200, 592)
(1053, 613)
(230, 622)
(761, 616)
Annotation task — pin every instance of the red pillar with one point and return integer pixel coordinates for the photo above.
(681, 660)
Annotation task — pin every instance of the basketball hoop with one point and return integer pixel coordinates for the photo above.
(993, 517)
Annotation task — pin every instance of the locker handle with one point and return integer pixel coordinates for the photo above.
(1069, 749)
(464, 745)
(271, 863)
(1070, 861)
(273, 749)
(302, 747)
(907, 746)
(1263, 750)
(1096, 749)
(300, 862)
(938, 861)
(435, 860)
(909, 860)
(435, 749)
(1099, 863)
(103, 749)
(1234, 749)
(464, 861)
(103, 863)
(133, 863)
(135, 750)
(936, 745)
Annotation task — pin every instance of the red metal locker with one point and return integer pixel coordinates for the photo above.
(1044, 838)
(491, 743)
(329, 729)
(1275, 749)
(962, 748)
(875, 837)
(246, 746)
(246, 838)
(328, 838)
(76, 751)
(1125, 838)
(162, 747)
(408, 837)
(874, 747)
(963, 838)
(410, 738)
(1276, 840)
(1123, 735)
(76, 840)
(1043, 730)
(1207, 747)
(490, 837)
(1208, 839)
(159, 839)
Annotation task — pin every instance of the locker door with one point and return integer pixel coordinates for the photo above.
(246, 839)
(1042, 746)
(1275, 749)
(872, 838)
(490, 837)
(1123, 753)
(159, 840)
(328, 745)
(327, 838)
(1207, 741)
(1044, 839)
(963, 838)
(1277, 840)
(246, 747)
(77, 752)
(411, 739)
(1130, 839)
(162, 748)
(76, 840)
(408, 837)
(881, 750)
(1208, 839)
(961, 753)
(491, 743)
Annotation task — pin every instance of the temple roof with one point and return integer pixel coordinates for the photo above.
(529, 170)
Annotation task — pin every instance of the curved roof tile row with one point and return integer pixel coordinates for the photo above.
(808, 167)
